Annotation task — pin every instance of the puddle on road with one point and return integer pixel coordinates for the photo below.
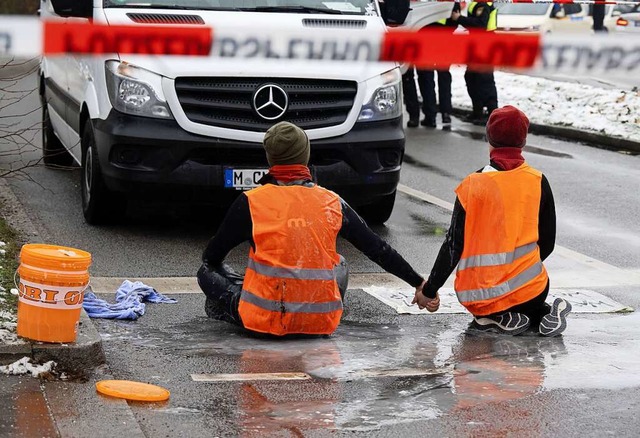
(594, 353)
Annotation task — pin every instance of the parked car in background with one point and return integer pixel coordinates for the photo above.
(551, 18)
(629, 20)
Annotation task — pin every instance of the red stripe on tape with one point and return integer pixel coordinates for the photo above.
(60, 38)
(436, 48)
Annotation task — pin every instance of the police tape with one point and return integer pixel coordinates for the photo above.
(426, 48)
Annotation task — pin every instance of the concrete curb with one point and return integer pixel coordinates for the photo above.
(566, 133)
(78, 357)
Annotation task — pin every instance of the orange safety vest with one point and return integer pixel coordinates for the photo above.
(500, 266)
(290, 284)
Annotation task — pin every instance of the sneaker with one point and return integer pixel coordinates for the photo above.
(555, 322)
(446, 118)
(429, 123)
(509, 323)
(413, 123)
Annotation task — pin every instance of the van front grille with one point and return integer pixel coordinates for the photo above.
(227, 102)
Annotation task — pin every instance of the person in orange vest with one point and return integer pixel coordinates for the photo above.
(295, 279)
(503, 228)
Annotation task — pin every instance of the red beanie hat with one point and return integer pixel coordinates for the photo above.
(507, 128)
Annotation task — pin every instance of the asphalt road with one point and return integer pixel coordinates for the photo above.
(482, 385)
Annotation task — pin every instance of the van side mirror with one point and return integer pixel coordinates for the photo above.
(73, 8)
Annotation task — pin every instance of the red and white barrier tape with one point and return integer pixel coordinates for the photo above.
(612, 54)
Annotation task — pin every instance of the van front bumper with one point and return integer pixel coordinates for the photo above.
(153, 157)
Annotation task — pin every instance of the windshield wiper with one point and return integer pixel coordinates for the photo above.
(176, 7)
(307, 9)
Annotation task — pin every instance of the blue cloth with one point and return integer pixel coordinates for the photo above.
(130, 299)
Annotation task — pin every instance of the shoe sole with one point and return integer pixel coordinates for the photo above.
(555, 322)
(480, 324)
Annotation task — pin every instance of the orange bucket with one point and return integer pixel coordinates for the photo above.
(52, 283)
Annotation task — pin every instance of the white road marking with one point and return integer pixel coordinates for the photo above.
(249, 377)
(356, 375)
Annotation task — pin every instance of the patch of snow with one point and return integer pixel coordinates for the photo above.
(615, 113)
(3, 252)
(7, 315)
(8, 330)
(24, 366)
(2, 244)
(2, 289)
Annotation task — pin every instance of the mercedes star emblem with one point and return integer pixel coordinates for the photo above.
(270, 102)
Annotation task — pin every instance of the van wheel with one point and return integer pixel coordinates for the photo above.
(54, 154)
(99, 204)
(380, 211)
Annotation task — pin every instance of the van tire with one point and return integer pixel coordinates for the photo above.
(380, 211)
(99, 204)
(54, 154)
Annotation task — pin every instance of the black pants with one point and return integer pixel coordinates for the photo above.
(223, 286)
(410, 94)
(481, 87)
(427, 86)
(426, 81)
(535, 308)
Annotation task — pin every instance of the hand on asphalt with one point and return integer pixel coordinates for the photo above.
(431, 304)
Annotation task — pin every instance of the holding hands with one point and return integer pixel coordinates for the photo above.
(431, 304)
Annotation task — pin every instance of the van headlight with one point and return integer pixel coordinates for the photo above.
(134, 90)
(383, 97)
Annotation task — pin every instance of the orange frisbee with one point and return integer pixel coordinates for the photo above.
(130, 390)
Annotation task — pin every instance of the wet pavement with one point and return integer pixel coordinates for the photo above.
(393, 376)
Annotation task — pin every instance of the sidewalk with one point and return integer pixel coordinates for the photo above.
(607, 117)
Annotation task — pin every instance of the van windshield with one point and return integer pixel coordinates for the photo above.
(523, 9)
(355, 7)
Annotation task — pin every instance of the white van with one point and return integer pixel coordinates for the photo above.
(193, 127)
(551, 18)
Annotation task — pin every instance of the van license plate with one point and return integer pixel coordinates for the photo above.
(243, 179)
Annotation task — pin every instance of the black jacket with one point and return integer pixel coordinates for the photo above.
(474, 23)
(451, 249)
(237, 228)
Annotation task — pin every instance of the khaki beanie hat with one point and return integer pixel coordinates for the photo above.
(285, 143)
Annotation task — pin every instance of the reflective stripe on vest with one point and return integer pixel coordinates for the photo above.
(501, 258)
(299, 273)
(516, 282)
(290, 307)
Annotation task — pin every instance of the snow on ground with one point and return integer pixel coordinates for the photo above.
(611, 112)
(24, 366)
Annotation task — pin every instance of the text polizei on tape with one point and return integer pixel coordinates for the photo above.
(610, 55)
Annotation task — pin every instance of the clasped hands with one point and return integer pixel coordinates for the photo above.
(431, 304)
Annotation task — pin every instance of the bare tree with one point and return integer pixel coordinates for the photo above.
(23, 122)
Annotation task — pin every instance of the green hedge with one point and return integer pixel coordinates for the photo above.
(26, 7)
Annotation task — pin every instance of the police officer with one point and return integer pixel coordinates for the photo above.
(481, 86)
